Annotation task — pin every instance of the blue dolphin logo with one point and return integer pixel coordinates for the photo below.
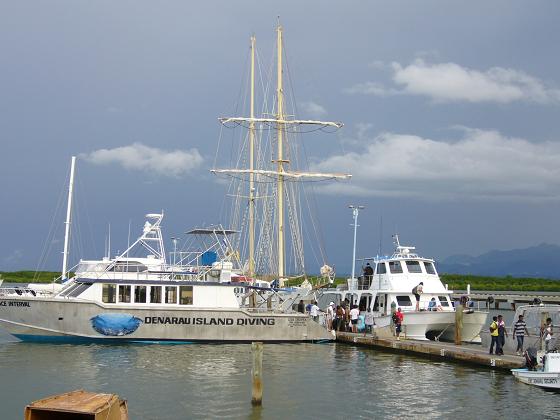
(115, 324)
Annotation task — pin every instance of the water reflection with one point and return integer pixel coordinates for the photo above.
(300, 381)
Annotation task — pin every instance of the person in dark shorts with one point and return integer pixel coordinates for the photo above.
(417, 291)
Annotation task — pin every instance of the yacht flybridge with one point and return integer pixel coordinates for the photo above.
(390, 287)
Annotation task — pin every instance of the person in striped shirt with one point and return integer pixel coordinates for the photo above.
(519, 330)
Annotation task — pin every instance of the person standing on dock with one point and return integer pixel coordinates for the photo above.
(417, 291)
(330, 315)
(354, 314)
(494, 336)
(519, 330)
(339, 320)
(369, 322)
(502, 334)
(398, 318)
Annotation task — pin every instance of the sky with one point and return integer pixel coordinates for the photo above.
(450, 113)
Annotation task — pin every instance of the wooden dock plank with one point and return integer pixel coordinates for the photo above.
(465, 353)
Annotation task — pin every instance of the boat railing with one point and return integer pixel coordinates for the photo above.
(17, 291)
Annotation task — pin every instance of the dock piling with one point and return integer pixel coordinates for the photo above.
(458, 324)
(256, 372)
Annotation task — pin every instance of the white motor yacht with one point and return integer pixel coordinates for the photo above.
(390, 287)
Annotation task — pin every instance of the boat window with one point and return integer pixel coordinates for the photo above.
(381, 268)
(128, 267)
(109, 294)
(376, 303)
(78, 290)
(365, 301)
(429, 268)
(404, 301)
(395, 267)
(413, 267)
(69, 289)
(443, 301)
(155, 294)
(185, 295)
(124, 293)
(140, 294)
(170, 294)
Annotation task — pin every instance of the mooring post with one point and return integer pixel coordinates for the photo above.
(458, 324)
(257, 351)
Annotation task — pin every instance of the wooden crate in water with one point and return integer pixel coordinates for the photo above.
(78, 405)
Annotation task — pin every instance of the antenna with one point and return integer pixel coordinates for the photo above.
(380, 234)
(355, 212)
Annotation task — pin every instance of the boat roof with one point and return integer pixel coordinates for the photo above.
(212, 230)
(169, 282)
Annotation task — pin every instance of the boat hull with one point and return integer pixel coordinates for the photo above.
(541, 379)
(74, 320)
(424, 324)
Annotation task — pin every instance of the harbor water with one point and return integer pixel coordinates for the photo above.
(300, 381)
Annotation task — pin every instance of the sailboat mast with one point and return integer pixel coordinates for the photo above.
(68, 220)
(280, 161)
(252, 166)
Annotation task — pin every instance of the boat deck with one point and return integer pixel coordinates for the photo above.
(466, 353)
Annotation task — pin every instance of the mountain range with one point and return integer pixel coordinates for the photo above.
(538, 261)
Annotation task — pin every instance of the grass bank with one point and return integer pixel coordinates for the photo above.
(29, 276)
(459, 282)
(455, 281)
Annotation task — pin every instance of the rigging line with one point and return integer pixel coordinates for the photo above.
(51, 232)
(86, 207)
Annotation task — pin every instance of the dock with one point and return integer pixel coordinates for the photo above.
(472, 354)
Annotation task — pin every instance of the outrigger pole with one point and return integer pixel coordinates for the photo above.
(252, 166)
(280, 158)
(68, 221)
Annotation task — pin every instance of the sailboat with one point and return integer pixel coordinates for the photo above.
(143, 298)
(270, 183)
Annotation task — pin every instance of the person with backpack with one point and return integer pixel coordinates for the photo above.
(417, 291)
(494, 336)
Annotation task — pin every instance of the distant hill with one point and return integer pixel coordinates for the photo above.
(537, 261)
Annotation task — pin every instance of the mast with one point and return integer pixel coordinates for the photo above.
(279, 172)
(68, 220)
(280, 162)
(252, 166)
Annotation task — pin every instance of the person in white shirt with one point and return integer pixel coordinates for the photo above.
(330, 315)
(354, 313)
(369, 322)
(314, 311)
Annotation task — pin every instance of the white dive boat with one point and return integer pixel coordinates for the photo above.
(208, 295)
(545, 371)
(144, 299)
(547, 376)
(390, 287)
